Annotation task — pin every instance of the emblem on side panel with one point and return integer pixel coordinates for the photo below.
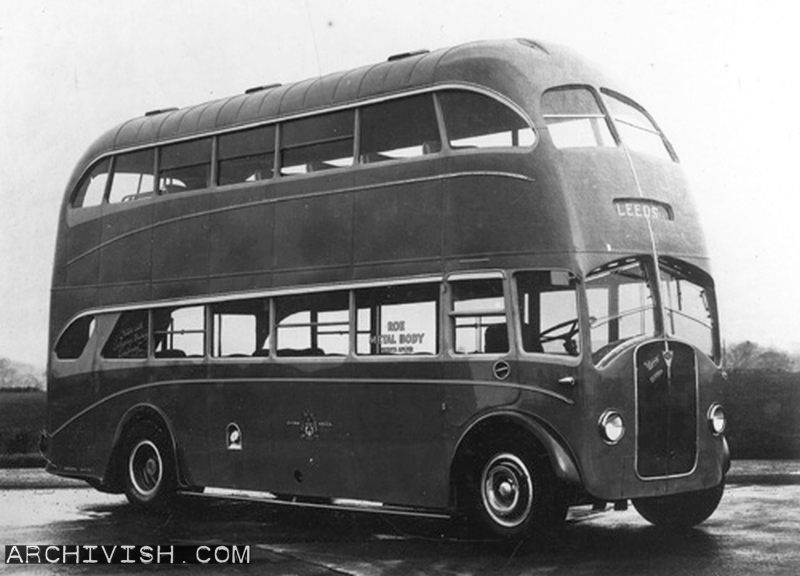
(233, 436)
(309, 426)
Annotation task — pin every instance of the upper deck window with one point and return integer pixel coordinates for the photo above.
(93, 186)
(574, 119)
(246, 156)
(317, 143)
(185, 166)
(133, 176)
(402, 128)
(636, 129)
(477, 121)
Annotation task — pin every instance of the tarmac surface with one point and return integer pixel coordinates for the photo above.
(753, 532)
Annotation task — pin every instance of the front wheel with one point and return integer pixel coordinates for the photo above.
(149, 467)
(512, 493)
(680, 510)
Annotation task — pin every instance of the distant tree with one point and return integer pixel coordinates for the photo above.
(7, 373)
(11, 377)
(740, 356)
(748, 355)
(775, 361)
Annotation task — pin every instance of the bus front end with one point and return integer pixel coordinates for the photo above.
(655, 420)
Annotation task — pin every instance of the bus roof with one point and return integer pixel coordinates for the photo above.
(515, 68)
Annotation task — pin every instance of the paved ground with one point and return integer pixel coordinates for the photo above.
(754, 532)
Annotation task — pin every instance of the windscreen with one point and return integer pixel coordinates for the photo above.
(621, 305)
(688, 297)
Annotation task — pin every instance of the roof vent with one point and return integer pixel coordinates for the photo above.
(260, 88)
(403, 55)
(159, 111)
(532, 44)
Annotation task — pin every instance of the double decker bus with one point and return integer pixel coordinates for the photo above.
(462, 283)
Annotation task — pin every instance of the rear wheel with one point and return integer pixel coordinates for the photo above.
(511, 493)
(149, 467)
(680, 510)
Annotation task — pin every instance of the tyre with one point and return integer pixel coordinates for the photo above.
(680, 510)
(149, 474)
(511, 493)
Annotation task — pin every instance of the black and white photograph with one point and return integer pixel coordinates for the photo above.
(360, 287)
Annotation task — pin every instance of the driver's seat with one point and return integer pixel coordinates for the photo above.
(530, 339)
(496, 339)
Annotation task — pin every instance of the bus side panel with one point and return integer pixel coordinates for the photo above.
(81, 262)
(494, 214)
(245, 408)
(315, 430)
(397, 434)
(72, 448)
(125, 252)
(313, 231)
(182, 403)
(399, 223)
(241, 239)
(180, 248)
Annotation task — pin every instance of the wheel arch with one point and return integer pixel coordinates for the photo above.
(509, 423)
(112, 480)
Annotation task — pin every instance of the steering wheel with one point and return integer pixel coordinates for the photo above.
(565, 331)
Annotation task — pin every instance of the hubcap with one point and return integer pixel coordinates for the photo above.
(145, 468)
(507, 490)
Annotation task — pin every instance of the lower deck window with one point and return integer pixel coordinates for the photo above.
(548, 312)
(398, 320)
(240, 328)
(72, 343)
(128, 339)
(479, 317)
(313, 325)
(179, 332)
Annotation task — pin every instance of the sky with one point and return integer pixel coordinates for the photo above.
(718, 75)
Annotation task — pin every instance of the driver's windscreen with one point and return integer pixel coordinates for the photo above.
(548, 312)
(688, 296)
(621, 305)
